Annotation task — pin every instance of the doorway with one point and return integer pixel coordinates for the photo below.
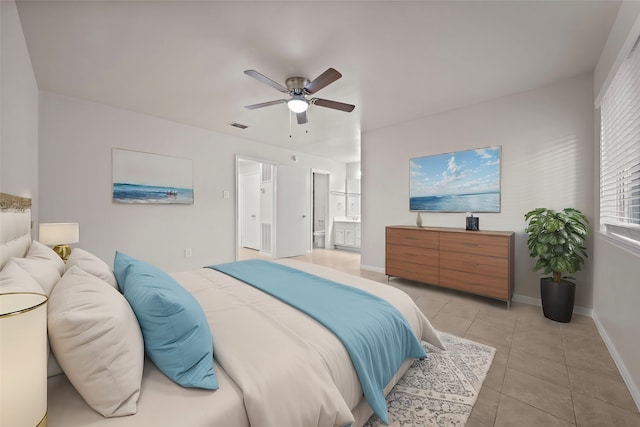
(249, 183)
(279, 223)
(254, 208)
(320, 209)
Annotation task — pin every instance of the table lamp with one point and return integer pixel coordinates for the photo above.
(23, 359)
(60, 235)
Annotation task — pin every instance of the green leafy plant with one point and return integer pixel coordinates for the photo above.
(556, 239)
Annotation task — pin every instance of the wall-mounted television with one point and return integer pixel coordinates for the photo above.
(463, 181)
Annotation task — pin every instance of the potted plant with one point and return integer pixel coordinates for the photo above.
(556, 239)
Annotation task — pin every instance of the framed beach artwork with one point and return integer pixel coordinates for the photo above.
(151, 178)
(464, 181)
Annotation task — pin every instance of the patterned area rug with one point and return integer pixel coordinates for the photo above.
(441, 389)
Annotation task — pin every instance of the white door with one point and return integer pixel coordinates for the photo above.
(293, 211)
(250, 210)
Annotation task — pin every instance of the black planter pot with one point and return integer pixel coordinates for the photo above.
(557, 299)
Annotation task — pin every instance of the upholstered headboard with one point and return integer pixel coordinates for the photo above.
(15, 226)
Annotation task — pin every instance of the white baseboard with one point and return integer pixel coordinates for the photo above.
(527, 300)
(537, 302)
(371, 268)
(634, 388)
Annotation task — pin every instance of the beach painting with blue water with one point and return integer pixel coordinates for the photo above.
(464, 181)
(151, 178)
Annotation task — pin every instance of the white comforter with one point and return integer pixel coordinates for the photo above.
(291, 370)
(276, 366)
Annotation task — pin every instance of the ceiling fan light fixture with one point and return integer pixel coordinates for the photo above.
(298, 88)
(298, 104)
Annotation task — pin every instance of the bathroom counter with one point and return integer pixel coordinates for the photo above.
(346, 219)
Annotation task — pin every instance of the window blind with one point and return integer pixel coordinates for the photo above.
(620, 151)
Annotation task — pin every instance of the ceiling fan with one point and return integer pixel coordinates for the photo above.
(298, 88)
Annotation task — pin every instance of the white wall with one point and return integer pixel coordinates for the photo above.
(18, 111)
(353, 170)
(622, 36)
(547, 161)
(616, 270)
(615, 310)
(76, 138)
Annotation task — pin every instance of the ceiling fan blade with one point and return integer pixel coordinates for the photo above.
(333, 104)
(265, 104)
(302, 118)
(323, 80)
(266, 80)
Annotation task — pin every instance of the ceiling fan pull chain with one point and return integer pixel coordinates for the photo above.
(290, 113)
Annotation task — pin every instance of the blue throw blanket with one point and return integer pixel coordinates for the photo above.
(375, 334)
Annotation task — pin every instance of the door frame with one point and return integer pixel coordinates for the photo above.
(239, 158)
(250, 229)
(328, 224)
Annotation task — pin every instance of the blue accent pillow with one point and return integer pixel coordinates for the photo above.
(176, 333)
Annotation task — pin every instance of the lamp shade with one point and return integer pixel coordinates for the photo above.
(59, 233)
(23, 359)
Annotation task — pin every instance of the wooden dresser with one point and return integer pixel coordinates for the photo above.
(479, 262)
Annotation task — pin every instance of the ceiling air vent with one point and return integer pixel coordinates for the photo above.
(238, 125)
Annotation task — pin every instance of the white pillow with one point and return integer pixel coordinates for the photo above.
(92, 265)
(43, 264)
(96, 338)
(44, 272)
(14, 279)
(38, 250)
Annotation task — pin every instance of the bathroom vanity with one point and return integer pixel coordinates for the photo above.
(346, 233)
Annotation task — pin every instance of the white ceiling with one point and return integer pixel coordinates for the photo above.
(184, 61)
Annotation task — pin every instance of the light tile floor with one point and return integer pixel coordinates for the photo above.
(544, 373)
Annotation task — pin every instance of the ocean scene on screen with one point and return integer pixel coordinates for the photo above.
(485, 202)
(134, 193)
(464, 181)
(151, 178)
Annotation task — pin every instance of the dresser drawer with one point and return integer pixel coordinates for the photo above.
(407, 270)
(415, 255)
(476, 283)
(476, 264)
(481, 244)
(414, 238)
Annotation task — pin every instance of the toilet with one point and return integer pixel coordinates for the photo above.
(318, 239)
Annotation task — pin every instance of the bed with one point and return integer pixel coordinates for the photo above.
(274, 364)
